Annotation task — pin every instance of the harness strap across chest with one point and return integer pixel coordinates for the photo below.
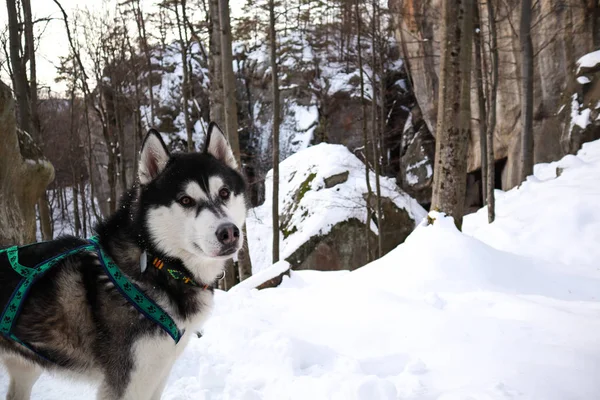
(128, 289)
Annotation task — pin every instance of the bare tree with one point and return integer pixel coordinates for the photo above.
(527, 91)
(364, 128)
(491, 126)
(19, 71)
(276, 118)
(375, 131)
(216, 98)
(477, 42)
(143, 42)
(186, 84)
(26, 90)
(454, 109)
(231, 117)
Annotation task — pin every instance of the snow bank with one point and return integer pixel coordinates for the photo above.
(313, 208)
(551, 218)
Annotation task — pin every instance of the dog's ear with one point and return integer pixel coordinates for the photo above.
(153, 158)
(218, 146)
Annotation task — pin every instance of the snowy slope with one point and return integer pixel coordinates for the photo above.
(445, 316)
(548, 217)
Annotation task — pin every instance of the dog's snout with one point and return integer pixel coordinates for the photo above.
(228, 234)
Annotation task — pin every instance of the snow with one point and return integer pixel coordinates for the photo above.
(413, 179)
(555, 216)
(305, 172)
(583, 80)
(589, 60)
(579, 117)
(508, 310)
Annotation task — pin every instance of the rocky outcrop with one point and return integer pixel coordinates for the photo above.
(323, 211)
(416, 162)
(562, 32)
(24, 176)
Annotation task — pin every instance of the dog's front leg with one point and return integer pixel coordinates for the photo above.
(22, 377)
(161, 387)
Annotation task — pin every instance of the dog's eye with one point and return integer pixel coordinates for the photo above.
(186, 201)
(224, 193)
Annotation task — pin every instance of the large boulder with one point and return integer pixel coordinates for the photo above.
(323, 212)
(563, 32)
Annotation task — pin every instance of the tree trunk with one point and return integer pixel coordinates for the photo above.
(30, 54)
(231, 121)
(477, 42)
(185, 85)
(143, 38)
(215, 96)
(17, 61)
(364, 130)
(454, 111)
(21, 183)
(527, 91)
(492, 112)
(276, 117)
(229, 99)
(376, 133)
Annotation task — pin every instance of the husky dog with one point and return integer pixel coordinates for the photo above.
(178, 225)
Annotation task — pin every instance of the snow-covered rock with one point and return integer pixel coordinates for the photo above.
(584, 118)
(323, 209)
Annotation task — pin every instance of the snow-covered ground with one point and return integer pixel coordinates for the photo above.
(505, 311)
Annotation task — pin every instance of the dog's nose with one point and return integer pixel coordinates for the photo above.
(228, 233)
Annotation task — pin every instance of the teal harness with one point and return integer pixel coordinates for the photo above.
(128, 289)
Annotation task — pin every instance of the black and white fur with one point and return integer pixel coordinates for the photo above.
(189, 209)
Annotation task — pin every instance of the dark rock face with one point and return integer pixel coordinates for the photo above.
(336, 179)
(417, 161)
(345, 246)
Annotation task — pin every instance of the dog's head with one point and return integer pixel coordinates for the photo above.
(192, 205)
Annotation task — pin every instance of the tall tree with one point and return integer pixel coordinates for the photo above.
(454, 109)
(186, 84)
(491, 126)
(26, 90)
(375, 127)
(478, 43)
(231, 117)
(527, 91)
(19, 71)
(364, 127)
(215, 97)
(276, 122)
(143, 42)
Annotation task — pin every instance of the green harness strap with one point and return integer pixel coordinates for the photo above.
(135, 296)
(127, 288)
